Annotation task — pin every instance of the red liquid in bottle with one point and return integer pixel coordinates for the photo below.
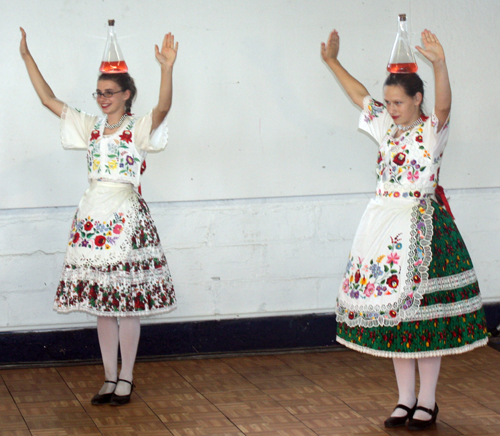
(113, 67)
(402, 68)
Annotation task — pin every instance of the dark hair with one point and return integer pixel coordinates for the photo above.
(126, 83)
(411, 83)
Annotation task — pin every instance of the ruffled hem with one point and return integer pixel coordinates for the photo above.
(414, 355)
(94, 312)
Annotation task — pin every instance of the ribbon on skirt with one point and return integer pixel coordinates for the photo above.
(442, 200)
(143, 168)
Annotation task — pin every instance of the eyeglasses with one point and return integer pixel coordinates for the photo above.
(105, 94)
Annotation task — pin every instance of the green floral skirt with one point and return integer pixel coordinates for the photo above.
(450, 319)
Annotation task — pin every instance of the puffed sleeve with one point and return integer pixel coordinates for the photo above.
(148, 141)
(374, 119)
(441, 137)
(75, 128)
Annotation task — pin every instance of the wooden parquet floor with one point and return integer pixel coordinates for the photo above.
(297, 394)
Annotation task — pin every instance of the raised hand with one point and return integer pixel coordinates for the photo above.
(23, 48)
(330, 50)
(432, 50)
(168, 52)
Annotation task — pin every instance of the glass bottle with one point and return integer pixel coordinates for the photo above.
(112, 60)
(402, 59)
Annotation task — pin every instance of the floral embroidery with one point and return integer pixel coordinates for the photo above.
(120, 156)
(95, 235)
(94, 150)
(126, 136)
(374, 109)
(381, 276)
(364, 279)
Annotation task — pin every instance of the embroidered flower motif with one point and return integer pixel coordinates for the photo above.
(416, 278)
(413, 176)
(369, 290)
(126, 136)
(130, 160)
(345, 286)
(95, 135)
(399, 245)
(392, 313)
(117, 229)
(112, 164)
(399, 159)
(76, 238)
(419, 138)
(393, 258)
(393, 281)
(416, 194)
(88, 226)
(351, 315)
(357, 276)
(100, 240)
(379, 159)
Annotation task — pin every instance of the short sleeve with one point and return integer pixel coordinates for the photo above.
(441, 137)
(148, 141)
(75, 128)
(374, 119)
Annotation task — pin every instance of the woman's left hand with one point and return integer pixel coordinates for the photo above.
(433, 49)
(168, 52)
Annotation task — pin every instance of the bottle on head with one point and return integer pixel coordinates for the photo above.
(402, 59)
(112, 60)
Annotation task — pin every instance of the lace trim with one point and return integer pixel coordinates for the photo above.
(93, 258)
(419, 259)
(110, 277)
(415, 355)
(448, 310)
(450, 283)
(94, 312)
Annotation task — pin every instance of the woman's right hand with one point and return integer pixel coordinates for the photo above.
(42, 88)
(330, 50)
(24, 45)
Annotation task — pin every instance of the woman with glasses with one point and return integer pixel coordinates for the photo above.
(114, 267)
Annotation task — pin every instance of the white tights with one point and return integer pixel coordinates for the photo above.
(112, 335)
(428, 369)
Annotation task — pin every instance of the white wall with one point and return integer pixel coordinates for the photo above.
(256, 112)
(259, 193)
(229, 259)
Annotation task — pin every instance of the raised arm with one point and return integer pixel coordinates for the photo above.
(329, 52)
(434, 52)
(166, 57)
(41, 86)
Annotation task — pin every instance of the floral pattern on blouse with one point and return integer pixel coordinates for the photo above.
(113, 155)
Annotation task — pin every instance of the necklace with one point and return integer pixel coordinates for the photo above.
(118, 124)
(411, 126)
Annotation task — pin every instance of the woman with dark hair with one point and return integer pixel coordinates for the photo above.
(114, 267)
(409, 291)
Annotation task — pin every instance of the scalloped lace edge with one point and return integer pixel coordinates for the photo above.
(414, 355)
(145, 312)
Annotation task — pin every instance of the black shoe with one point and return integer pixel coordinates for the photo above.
(400, 421)
(98, 399)
(118, 400)
(421, 424)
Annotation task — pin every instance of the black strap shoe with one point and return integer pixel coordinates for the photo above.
(400, 421)
(99, 400)
(422, 424)
(119, 400)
